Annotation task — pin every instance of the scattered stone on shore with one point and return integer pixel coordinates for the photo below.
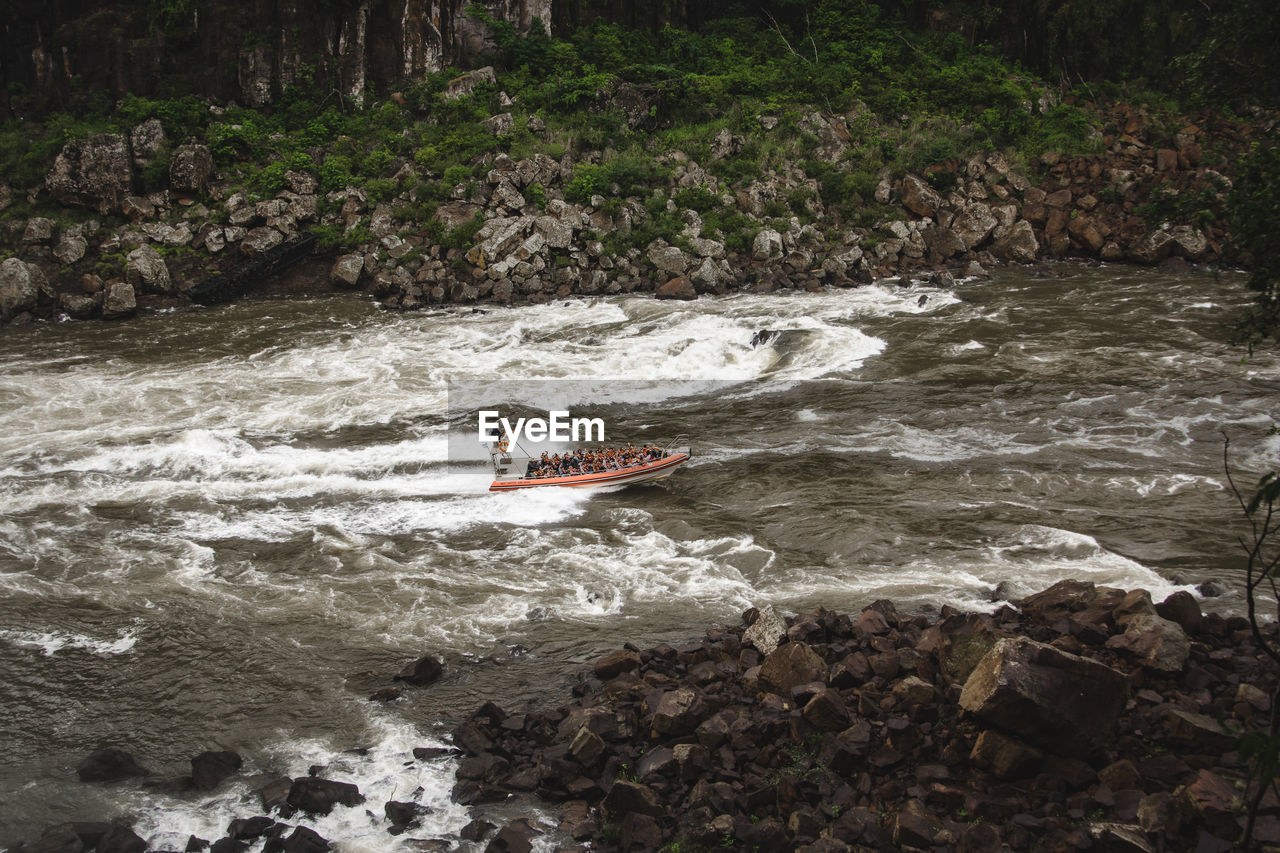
(1089, 718)
(1027, 729)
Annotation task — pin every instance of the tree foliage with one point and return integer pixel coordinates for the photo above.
(1254, 212)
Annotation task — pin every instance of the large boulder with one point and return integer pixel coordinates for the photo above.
(467, 83)
(767, 245)
(208, 769)
(38, 231)
(346, 270)
(1189, 242)
(120, 301)
(20, 285)
(421, 672)
(679, 712)
(626, 798)
(943, 243)
(95, 172)
(677, 288)
(919, 198)
(791, 664)
(1018, 243)
(766, 632)
(1056, 700)
(554, 232)
(109, 765)
(319, 796)
(974, 225)
(146, 271)
(711, 276)
(669, 259)
(146, 142)
(260, 240)
(71, 247)
(191, 167)
(1155, 642)
(1151, 248)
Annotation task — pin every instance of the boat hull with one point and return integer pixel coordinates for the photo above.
(656, 470)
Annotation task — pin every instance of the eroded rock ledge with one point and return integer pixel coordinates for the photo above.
(1088, 718)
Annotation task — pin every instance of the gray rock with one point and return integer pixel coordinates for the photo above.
(346, 270)
(78, 305)
(711, 276)
(302, 183)
(467, 83)
(137, 208)
(20, 285)
(497, 238)
(1018, 244)
(919, 198)
(70, 248)
(707, 248)
(767, 631)
(767, 245)
(974, 225)
(1151, 248)
(501, 124)
(943, 242)
(506, 195)
(95, 172)
(261, 240)
(553, 231)
(1155, 642)
(38, 232)
(1055, 700)
(668, 258)
(191, 167)
(120, 301)
(146, 271)
(146, 140)
(179, 235)
(1189, 242)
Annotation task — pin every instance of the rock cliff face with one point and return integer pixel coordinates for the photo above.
(241, 50)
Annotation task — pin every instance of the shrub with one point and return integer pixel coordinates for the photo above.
(335, 173)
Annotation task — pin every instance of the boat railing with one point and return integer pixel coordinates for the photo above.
(681, 440)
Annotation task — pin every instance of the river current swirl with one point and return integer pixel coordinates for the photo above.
(224, 529)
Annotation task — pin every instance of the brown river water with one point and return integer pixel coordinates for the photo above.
(225, 528)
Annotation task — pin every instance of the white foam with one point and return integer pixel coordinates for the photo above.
(386, 772)
(52, 642)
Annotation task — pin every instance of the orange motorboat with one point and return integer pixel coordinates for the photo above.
(511, 472)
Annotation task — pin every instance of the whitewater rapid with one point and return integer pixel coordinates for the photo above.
(226, 528)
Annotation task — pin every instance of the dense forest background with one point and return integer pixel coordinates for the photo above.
(59, 54)
(355, 91)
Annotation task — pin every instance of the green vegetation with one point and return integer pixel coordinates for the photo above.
(1254, 208)
(850, 91)
(628, 93)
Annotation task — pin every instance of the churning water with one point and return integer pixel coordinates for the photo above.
(224, 529)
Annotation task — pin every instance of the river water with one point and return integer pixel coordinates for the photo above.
(224, 529)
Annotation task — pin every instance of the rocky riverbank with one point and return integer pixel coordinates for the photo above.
(1148, 197)
(1086, 718)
